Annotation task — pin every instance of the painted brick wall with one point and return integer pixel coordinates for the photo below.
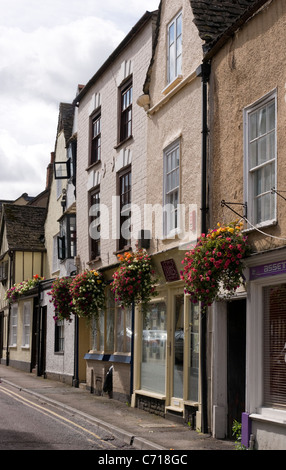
(136, 58)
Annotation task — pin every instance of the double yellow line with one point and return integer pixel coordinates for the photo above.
(50, 413)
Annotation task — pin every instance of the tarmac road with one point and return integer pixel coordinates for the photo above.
(28, 424)
(136, 428)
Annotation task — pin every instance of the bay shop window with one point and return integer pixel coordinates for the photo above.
(111, 331)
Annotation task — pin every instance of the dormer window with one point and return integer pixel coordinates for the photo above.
(3, 271)
(67, 237)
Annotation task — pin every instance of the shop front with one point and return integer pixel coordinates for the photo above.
(265, 418)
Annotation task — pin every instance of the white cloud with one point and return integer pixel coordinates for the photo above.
(47, 48)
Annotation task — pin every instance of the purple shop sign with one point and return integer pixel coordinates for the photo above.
(269, 269)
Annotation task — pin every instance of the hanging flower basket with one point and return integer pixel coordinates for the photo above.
(62, 299)
(21, 288)
(88, 293)
(214, 268)
(134, 280)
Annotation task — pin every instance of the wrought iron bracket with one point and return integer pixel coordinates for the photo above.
(273, 190)
(228, 204)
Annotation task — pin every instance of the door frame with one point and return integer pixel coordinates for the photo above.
(219, 368)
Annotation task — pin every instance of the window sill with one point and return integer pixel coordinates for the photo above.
(172, 85)
(123, 250)
(260, 226)
(172, 235)
(123, 142)
(95, 260)
(146, 393)
(270, 415)
(93, 165)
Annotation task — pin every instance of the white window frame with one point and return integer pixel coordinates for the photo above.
(255, 371)
(26, 325)
(174, 70)
(170, 229)
(249, 173)
(13, 325)
(56, 261)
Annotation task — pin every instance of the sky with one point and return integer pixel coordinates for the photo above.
(47, 48)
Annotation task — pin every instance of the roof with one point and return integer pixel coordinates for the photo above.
(218, 19)
(65, 120)
(24, 227)
(130, 36)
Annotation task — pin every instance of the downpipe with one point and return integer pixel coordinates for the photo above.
(203, 71)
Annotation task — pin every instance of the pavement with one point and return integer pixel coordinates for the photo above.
(143, 430)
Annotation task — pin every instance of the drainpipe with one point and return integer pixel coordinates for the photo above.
(132, 350)
(203, 71)
(11, 254)
(76, 371)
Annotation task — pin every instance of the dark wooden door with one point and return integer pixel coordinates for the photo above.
(236, 356)
(1, 334)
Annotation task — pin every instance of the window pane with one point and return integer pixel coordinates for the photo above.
(261, 122)
(252, 126)
(253, 154)
(262, 156)
(194, 353)
(110, 328)
(266, 204)
(178, 346)
(275, 346)
(172, 62)
(171, 33)
(153, 368)
(271, 143)
(179, 25)
(271, 116)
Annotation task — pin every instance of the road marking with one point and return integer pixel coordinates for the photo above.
(48, 412)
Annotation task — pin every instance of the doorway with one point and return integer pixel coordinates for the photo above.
(184, 358)
(236, 357)
(1, 334)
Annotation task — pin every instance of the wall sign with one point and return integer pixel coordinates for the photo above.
(170, 270)
(269, 269)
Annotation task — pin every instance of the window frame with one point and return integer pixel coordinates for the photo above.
(168, 229)
(124, 243)
(13, 326)
(26, 325)
(95, 139)
(59, 343)
(250, 173)
(67, 238)
(126, 112)
(274, 392)
(174, 70)
(94, 244)
(105, 328)
(4, 265)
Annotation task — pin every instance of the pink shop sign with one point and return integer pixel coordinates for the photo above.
(269, 269)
